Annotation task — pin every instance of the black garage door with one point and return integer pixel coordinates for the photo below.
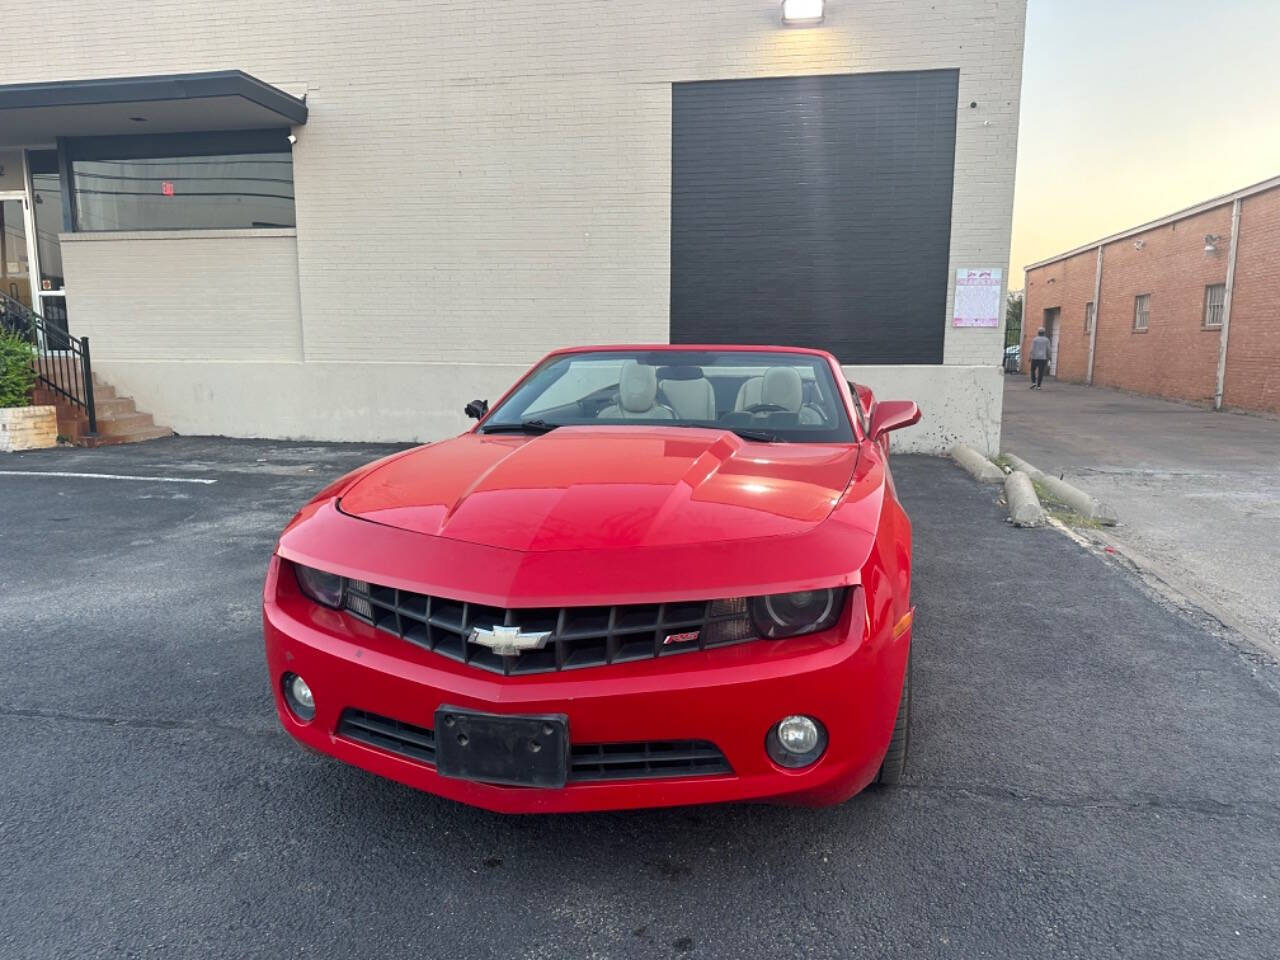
(814, 211)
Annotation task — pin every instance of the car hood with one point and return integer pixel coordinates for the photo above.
(587, 488)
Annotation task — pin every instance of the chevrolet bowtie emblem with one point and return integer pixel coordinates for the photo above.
(509, 641)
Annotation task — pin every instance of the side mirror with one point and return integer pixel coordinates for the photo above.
(892, 415)
(476, 409)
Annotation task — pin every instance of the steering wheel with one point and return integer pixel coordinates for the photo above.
(766, 408)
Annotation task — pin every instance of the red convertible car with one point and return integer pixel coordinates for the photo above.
(650, 575)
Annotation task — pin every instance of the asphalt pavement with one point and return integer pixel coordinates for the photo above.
(1197, 491)
(1092, 774)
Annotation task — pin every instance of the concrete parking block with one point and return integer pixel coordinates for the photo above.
(1024, 506)
(1075, 498)
(979, 467)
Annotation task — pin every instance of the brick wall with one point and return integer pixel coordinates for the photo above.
(1068, 286)
(1253, 344)
(226, 295)
(1177, 357)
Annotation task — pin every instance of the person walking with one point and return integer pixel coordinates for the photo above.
(1039, 358)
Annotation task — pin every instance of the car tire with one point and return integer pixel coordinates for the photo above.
(895, 760)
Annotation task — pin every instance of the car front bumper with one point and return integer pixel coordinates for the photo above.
(730, 697)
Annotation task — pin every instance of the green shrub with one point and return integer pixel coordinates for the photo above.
(17, 374)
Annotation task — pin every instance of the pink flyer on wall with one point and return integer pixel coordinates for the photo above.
(977, 300)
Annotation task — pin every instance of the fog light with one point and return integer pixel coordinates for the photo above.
(302, 693)
(299, 697)
(796, 741)
(796, 734)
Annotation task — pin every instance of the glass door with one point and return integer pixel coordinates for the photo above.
(46, 224)
(15, 250)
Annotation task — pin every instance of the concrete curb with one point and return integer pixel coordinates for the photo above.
(1176, 587)
(1024, 505)
(1060, 490)
(978, 466)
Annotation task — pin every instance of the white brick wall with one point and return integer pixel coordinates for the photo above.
(479, 182)
(185, 295)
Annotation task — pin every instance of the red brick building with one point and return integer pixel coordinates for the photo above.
(1188, 306)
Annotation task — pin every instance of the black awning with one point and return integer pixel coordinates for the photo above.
(38, 113)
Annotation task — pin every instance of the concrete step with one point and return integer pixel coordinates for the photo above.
(71, 428)
(138, 435)
(125, 423)
(113, 406)
(119, 420)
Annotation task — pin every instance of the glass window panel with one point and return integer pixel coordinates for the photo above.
(54, 311)
(226, 191)
(1215, 298)
(47, 194)
(15, 276)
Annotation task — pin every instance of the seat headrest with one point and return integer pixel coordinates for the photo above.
(782, 387)
(637, 387)
(682, 372)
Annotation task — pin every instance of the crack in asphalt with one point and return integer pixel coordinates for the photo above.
(996, 793)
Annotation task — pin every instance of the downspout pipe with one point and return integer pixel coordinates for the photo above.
(1097, 312)
(1226, 303)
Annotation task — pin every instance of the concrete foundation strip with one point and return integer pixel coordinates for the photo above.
(1072, 496)
(979, 466)
(1024, 505)
(1180, 589)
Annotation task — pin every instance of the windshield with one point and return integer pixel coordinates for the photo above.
(789, 397)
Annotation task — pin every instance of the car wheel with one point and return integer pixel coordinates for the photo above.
(895, 761)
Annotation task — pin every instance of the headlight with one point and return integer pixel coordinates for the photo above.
(325, 588)
(790, 614)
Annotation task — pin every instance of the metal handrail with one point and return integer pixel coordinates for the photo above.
(62, 362)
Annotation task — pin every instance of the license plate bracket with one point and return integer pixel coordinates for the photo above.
(521, 750)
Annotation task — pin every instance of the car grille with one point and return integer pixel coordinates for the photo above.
(580, 636)
(591, 762)
(417, 743)
(651, 759)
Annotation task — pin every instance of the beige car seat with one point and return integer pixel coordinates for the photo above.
(692, 398)
(637, 395)
(781, 387)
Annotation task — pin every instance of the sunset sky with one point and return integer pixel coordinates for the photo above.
(1132, 109)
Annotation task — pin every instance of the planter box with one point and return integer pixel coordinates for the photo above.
(28, 428)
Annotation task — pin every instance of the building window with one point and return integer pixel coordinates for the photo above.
(1215, 295)
(1141, 312)
(183, 182)
(1088, 317)
(47, 194)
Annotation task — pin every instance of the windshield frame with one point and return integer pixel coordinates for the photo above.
(826, 371)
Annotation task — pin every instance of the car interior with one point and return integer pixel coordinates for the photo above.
(779, 396)
(786, 397)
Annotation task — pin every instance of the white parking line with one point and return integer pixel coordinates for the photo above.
(101, 476)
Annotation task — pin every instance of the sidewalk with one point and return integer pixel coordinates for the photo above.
(1197, 491)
